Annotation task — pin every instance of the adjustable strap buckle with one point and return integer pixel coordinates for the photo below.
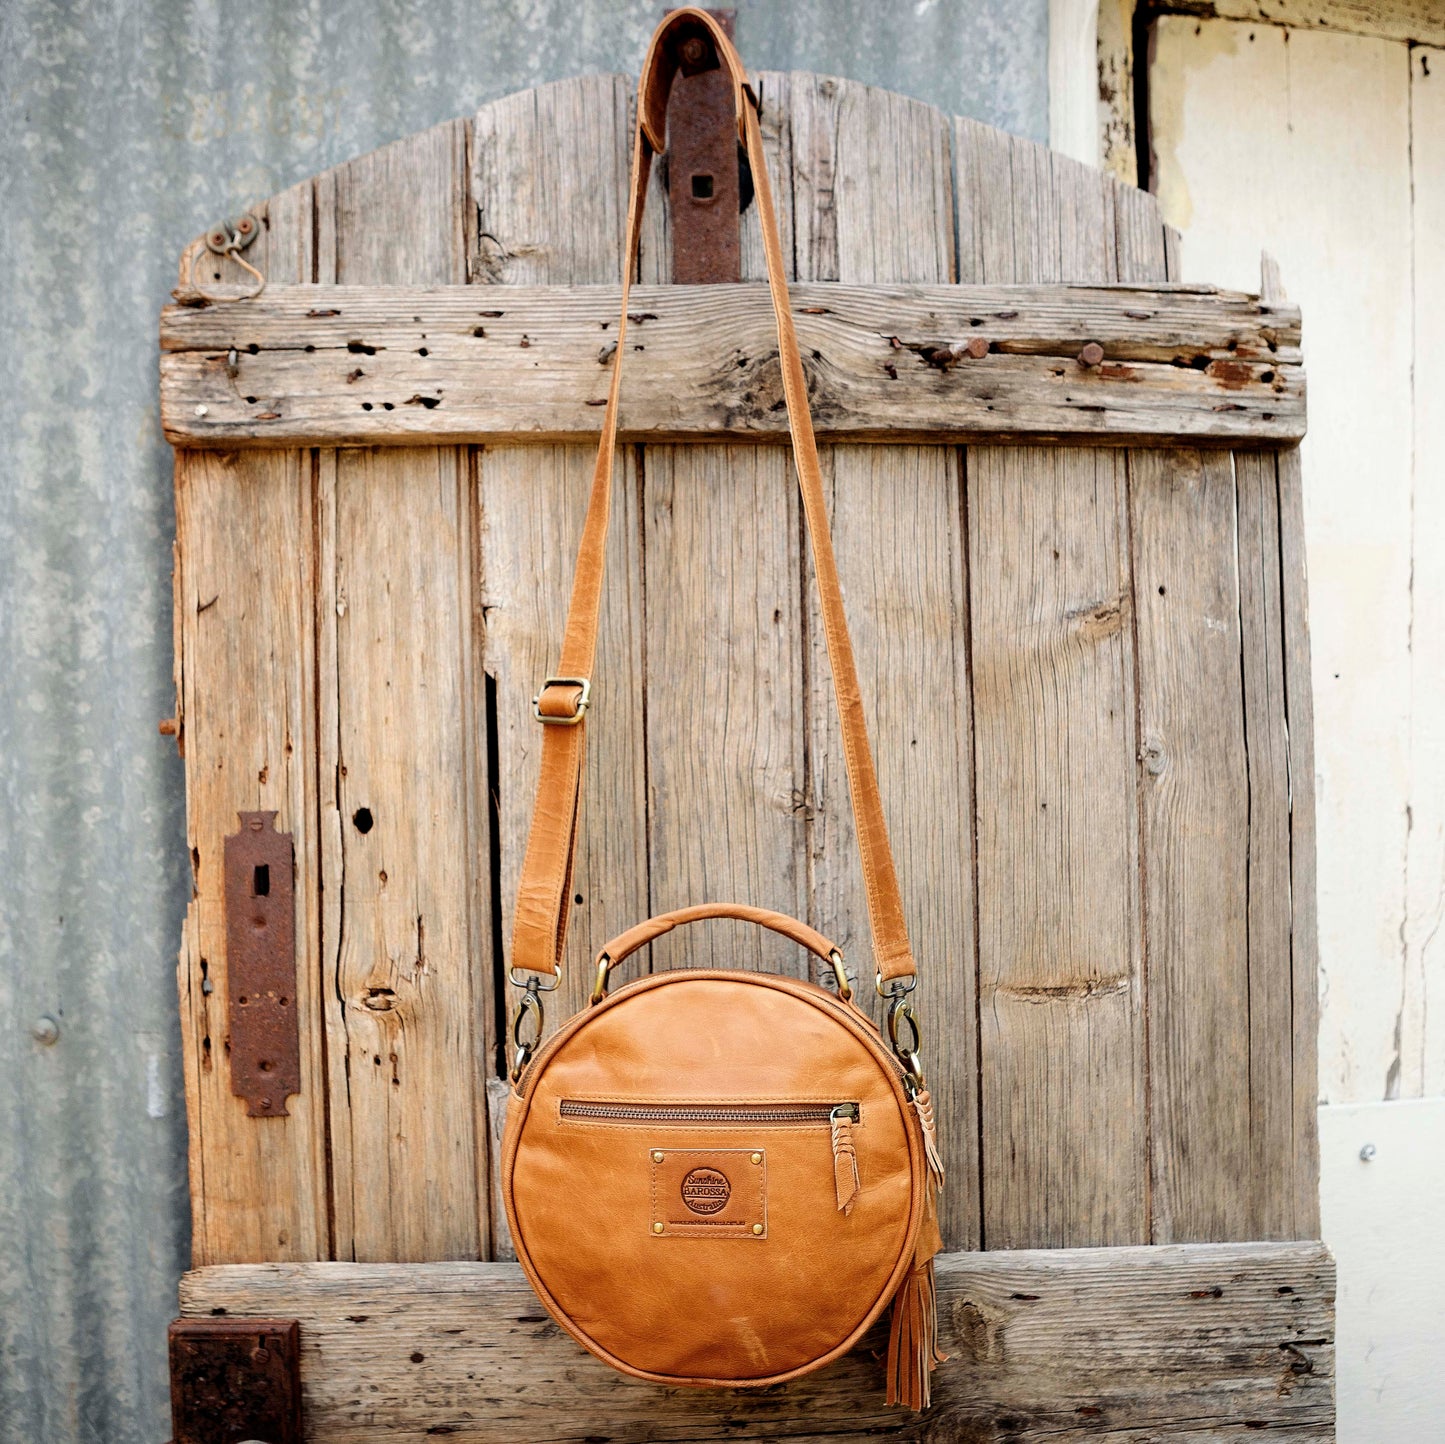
(585, 686)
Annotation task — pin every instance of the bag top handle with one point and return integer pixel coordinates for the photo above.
(544, 889)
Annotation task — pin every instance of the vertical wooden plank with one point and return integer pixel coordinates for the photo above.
(873, 202)
(726, 783)
(1196, 835)
(498, 1091)
(1139, 230)
(1035, 212)
(1306, 167)
(1086, 218)
(331, 836)
(1267, 1209)
(405, 966)
(401, 766)
(984, 203)
(725, 756)
(726, 790)
(1000, 213)
(1060, 971)
(1027, 214)
(397, 215)
(245, 688)
(726, 771)
(1304, 924)
(550, 177)
(872, 184)
(258, 1186)
(1173, 262)
(533, 499)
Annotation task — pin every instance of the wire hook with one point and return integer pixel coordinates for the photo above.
(230, 238)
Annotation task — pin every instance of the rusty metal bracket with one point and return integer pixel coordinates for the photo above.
(265, 1039)
(235, 1380)
(706, 181)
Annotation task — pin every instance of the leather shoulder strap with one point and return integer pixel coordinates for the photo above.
(540, 926)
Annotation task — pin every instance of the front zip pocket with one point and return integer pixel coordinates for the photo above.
(839, 1119)
(770, 1115)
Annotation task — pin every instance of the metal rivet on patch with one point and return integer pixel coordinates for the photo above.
(657, 1228)
(757, 1158)
(657, 1157)
(757, 1228)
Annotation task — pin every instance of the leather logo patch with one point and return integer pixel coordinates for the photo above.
(709, 1192)
(705, 1190)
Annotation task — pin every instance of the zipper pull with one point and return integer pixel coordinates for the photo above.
(845, 1157)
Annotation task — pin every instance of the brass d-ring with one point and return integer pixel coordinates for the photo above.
(894, 986)
(604, 966)
(845, 988)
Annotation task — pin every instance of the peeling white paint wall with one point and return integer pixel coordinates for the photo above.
(126, 128)
(1329, 150)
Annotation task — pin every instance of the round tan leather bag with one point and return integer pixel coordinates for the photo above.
(718, 1178)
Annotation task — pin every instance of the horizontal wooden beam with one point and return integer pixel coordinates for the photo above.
(338, 365)
(1204, 1340)
(1422, 21)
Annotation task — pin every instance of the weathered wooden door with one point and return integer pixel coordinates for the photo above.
(1066, 501)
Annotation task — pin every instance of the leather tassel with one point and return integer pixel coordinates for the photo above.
(845, 1163)
(913, 1351)
(913, 1340)
(923, 1105)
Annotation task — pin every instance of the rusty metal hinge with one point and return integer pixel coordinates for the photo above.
(708, 183)
(265, 1039)
(234, 1380)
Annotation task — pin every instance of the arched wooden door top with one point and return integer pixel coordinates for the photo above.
(532, 191)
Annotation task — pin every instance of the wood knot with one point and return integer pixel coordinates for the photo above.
(1153, 756)
(976, 1332)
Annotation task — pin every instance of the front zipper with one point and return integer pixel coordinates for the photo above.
(839, 1118)
(770, 1114)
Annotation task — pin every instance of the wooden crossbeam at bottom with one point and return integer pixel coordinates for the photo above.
(1204, 1341)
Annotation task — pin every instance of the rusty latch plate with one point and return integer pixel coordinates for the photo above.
(265, 1040)
(234, 1380)
(703, 183)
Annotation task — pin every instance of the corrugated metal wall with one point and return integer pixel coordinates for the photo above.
(128, 127)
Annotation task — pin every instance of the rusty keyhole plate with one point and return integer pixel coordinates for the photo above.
(265, 1039)
(703, 174)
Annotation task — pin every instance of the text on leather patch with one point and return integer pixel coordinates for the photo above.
(709, 1192)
